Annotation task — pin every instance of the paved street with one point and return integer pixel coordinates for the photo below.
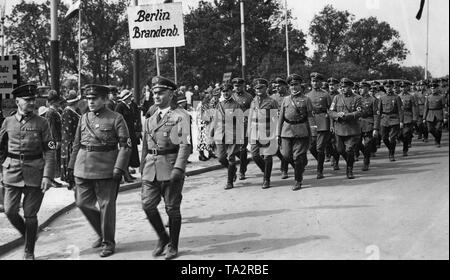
(394, 211)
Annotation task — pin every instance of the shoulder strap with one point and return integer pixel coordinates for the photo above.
(91, 131)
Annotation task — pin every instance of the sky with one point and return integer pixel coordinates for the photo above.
(400, 14)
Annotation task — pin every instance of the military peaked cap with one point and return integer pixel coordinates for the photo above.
(160, 82)
(316, 76)
(294, 77)
(96, 91)
(238, 81)
(226, 87)
(28, 90)
(364, 83)
(260, 82)
(347, 82)
(332, 81)
(280, 81)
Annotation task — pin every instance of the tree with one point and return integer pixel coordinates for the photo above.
(213, 41)
(370, 43)
(103, 34)
(328, 30)
(29, 36)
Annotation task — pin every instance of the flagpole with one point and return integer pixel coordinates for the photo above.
(287, 42)
(175, 63)
(158, 72)
(428, 38)
(79, 47)
(243, 59)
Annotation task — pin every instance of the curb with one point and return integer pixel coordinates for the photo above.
(9, 246)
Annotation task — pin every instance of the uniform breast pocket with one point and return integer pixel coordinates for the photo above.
(33, 135)
(387, 106)
(107, 132)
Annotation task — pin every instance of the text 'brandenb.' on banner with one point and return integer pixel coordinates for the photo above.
(156, 26)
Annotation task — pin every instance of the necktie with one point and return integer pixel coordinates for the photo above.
(158, 118)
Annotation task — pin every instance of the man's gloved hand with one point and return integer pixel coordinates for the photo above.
(117, 174)
(176, 175)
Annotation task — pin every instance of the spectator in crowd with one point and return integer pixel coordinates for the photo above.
(69, 118)
(124, 108)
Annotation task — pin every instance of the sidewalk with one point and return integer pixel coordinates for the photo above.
(59, 201)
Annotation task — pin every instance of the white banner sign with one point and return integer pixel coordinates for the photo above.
(156, 26)
(9, 70)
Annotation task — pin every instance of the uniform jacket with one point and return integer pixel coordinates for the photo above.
(29, 136)
(295, 108)
(434, 107)
(171, 132)
(228, 121)
(410, 108)
(369, 113)
(264, 110)
(321, 101)
(390, 111)
(420, 100)
(351, 105)
(110, 130)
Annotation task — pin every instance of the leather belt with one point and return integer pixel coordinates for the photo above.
(320, 111)
(98, 148)
(294, 122)
(23, 157)
(157, 152)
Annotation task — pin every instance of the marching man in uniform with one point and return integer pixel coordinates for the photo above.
(226, 132)
(101, 152)
(346, 111)
(165, 151)
(369, 114)
(410, 113)
(263, 117)
(435, 105)
(27, 152)
(293, 131)
(321, 102)
(390, 118)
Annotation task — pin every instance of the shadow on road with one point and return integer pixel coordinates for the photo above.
(232, 216)
(255, 246)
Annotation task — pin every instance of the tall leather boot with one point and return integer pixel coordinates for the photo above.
(155, 220)
(366, 163)
(17, 221)
(320, 162)
(231, 176)
(174, 228)
(299, 169)
(268, 163)
(31, 225)
(350, 162)
(393, 145)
